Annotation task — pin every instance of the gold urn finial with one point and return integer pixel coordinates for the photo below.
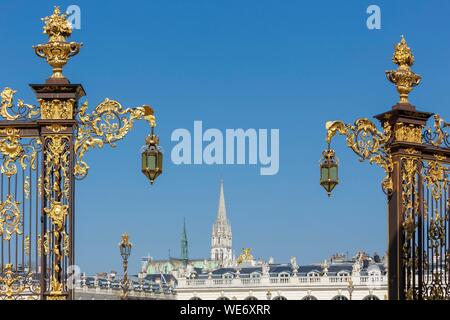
(404, 79)
(57, 51)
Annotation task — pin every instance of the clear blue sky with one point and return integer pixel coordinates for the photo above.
(291, 65)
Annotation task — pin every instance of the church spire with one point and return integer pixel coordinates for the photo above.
(221, 211)
(184, 243)
(221, 239)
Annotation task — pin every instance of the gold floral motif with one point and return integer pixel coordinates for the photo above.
(403, 78)
(57, 109)
(107, 124)
(57, 51)
(368, 143)
(10, 218)
(408, 133)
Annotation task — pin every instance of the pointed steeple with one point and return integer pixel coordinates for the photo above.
(221, 211)
(184, 243)
(221, 239)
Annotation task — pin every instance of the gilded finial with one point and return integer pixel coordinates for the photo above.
(57, 51)
(57, 27)
(404, 79)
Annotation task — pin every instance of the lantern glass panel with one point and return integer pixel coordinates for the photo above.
(324, 173)
(333, 173)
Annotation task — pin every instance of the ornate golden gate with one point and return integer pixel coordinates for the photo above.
(42, 149)
(416, 161)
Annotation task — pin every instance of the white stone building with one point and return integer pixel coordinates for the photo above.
(359, 279)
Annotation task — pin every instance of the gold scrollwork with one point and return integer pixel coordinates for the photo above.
(22, 110)
(10, 218)
(107, 124)
(12, 151)
(437, 136)
(368, 143)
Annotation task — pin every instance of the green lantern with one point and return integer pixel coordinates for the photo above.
(152, 158)
(329, 177)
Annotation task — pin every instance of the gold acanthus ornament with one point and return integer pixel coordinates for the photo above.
(368, 143)
(57, 51)
(107, 124)
(403, 78)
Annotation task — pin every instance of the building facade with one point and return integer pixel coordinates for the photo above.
(357, 279)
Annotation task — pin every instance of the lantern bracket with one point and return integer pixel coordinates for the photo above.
(107, 124)
(368, 143)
